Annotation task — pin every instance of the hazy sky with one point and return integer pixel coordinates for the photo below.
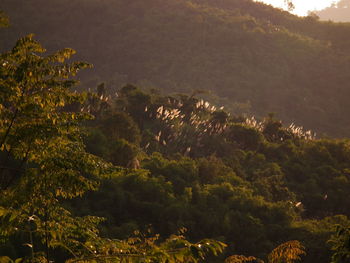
(301, 6)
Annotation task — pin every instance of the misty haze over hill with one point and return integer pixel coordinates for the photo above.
(338, 12)
(251, 57)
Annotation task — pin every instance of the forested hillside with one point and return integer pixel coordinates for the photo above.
(172, 168)
(224, 177)
(253, 58)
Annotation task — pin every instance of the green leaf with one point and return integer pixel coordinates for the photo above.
(5, 260)
(3, 211)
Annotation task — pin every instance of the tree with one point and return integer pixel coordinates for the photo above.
(3, 19)
(341, 245)
(43, 162)
(144, 248)
(43, 159)
(287, 252)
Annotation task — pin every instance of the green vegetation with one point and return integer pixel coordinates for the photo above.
(341, 247)
(252, 58)
(124, 173)
(288, 252)
(232, 179)
(43, 163)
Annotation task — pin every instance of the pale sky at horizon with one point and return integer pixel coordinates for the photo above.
(301, 6)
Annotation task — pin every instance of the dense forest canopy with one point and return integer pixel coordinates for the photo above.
(107, 171)
(252, 58)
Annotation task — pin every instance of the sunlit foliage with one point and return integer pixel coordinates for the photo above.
(287, 252)
(341, 245)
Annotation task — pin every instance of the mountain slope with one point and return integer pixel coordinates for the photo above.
(255, 59)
